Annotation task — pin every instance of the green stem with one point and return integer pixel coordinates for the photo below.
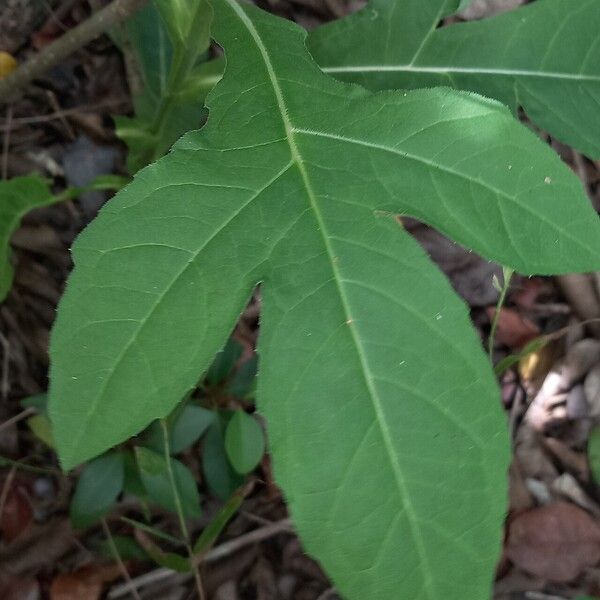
(179, 509)
(115, 552)
(507, 273)
(184, 59)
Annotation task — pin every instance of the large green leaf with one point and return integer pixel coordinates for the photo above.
(384, 421)
(17, 197)
(544, 57)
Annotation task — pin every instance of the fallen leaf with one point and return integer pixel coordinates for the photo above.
(84, 584)
(527, 293)
(555, 542)
(7, 64)
(513, 330)
(16, 513)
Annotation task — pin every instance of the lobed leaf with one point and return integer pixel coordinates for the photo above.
(544, 57)
(378, 398)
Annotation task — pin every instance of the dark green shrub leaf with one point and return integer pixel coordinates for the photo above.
(155, 477)
(385, 428)
(127, 548)
(17, 197)
(224, 362)
(244, 442)
(243, 382)
(221, 479)
(186, 426)
(99, 484)
(38, 401)
(544, 57)
(212, 531)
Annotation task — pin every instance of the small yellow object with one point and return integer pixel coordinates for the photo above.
(7, 64)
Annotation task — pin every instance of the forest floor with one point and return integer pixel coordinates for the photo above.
(62, 128)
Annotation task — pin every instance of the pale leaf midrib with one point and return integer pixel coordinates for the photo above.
(452, 70)
(365, 370)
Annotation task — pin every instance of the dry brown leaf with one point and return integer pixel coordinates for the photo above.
(513, 330)
(7, 64)
(16, 512)
(555, 542)
(84, 584)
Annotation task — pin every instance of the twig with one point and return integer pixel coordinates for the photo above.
(507, 274)
(179, 507)
(327, 594)
(4, 382)
(115, 552)
(59, 114)
(579, 163)
(217, 553)
(6, 488)
(71, 41)
(579, 291)
(56, 108)
(22, 415)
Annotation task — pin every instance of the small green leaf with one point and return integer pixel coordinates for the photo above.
(244, 442)
(179, 17)
(99, 485)
(17, 197)
(189, 426)
(41, 427)
(186, 426)
(169, 560)
(153, 531)
(512, 359)
(243, 382)
(132, 483)
(127, 548)
(155, 477)
(594, 454)
(212, 531)
(224, 362)
(222, 480)
(37, 401)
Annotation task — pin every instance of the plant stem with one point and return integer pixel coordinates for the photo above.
(507, 274)
(179, 508)
(65, 45)
(115, 552)
(182, 63)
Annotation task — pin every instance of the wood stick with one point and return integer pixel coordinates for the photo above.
(59, 50)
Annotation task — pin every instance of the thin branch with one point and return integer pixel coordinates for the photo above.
(217, 553)
(29, 411)
(179, 507)
(59, 50)
(507, 275)
(115, 552)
